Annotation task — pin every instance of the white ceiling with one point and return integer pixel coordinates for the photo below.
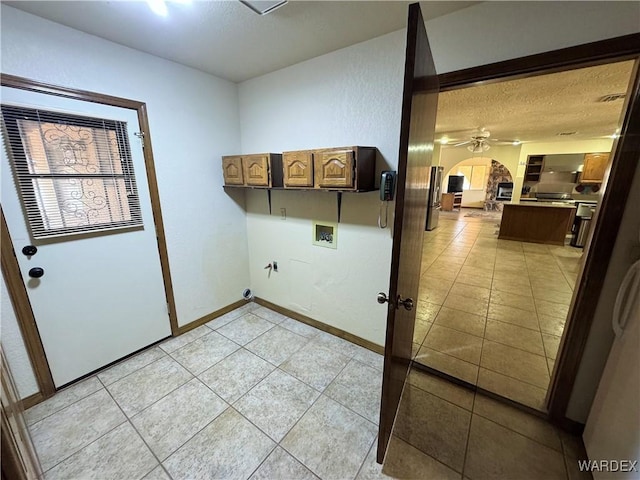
(227, 39)
(538, 108)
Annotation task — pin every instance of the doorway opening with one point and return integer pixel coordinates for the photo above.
(493, 305)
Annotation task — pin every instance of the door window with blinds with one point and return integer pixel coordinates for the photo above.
(74, 173)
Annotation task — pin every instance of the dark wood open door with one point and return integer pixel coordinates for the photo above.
(419, 105)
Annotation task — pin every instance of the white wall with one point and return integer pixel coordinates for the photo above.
(350, 97)
(494, 31)
(353, 96)
(13, 347)
(193, 120)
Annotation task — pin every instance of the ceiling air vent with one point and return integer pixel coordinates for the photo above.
(262, 7)
(565, 134)
(612, 97)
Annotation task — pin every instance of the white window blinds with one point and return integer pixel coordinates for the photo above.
(74, 173)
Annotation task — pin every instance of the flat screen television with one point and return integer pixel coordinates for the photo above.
(455, 183)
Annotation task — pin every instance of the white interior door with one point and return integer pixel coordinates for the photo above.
(102, 294)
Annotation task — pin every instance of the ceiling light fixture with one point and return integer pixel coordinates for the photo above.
(478, 147)
(516, 142)
(262, 7)
(159, 7)
(444, 140)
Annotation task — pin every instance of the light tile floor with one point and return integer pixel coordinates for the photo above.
(491, 312)
(291, 403)
(444, 431)
(253, 394)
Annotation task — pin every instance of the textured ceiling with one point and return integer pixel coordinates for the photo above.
(538, 108)
(227, 39)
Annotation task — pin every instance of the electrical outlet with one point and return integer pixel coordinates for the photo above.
(283, 214)
(275, 266)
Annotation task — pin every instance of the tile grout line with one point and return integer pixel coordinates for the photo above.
(169, 354)
(310, 406)
(367, 456)
(320, 393)
(476, 245)
(131, 358)
(140, 436)
(484, 336)
(535, 305)
(66, 406)
(84, 446)
(468, 443)
(486, 417)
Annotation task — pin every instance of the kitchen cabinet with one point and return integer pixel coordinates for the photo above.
(263, 170)
(594, 168)
(232, 170)
(297, 169)
(338, 169)
(334, 168)
(535, 164)
(346, 169)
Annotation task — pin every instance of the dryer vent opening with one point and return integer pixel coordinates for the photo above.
(247, 294)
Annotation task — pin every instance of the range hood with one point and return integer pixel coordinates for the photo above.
(569, 163)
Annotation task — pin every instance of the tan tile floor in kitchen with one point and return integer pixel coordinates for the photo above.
(491, 312)
(257, 395)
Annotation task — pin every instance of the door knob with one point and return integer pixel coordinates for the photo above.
(29, 250)
(382, 298)
(407, 303)
(36, 272)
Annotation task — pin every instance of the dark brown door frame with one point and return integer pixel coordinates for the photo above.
(618, 184)
(10, 267)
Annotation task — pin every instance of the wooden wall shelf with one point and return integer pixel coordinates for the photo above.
(335, 170)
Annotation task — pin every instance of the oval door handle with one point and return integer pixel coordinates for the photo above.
(36, 272)
(382, 298)
(29, 250)
(407, 303)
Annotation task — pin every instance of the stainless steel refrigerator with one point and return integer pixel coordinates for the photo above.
(434, 197)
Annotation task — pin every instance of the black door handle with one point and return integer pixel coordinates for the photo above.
(36, 272)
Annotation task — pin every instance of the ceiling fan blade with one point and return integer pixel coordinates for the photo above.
(501, 140)
(462, 143)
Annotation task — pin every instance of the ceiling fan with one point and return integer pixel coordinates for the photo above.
(479, 141)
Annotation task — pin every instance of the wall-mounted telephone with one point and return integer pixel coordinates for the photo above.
(387, 188)
(387, 185)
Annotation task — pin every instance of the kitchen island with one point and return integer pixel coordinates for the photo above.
(536, 222)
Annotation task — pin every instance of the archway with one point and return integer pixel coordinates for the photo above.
(482, 175)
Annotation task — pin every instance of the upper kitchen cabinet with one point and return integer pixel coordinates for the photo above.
(257, 170)
(232, 170)
(595, 165)
(345, 168)
(298, 169)
(335, 168)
